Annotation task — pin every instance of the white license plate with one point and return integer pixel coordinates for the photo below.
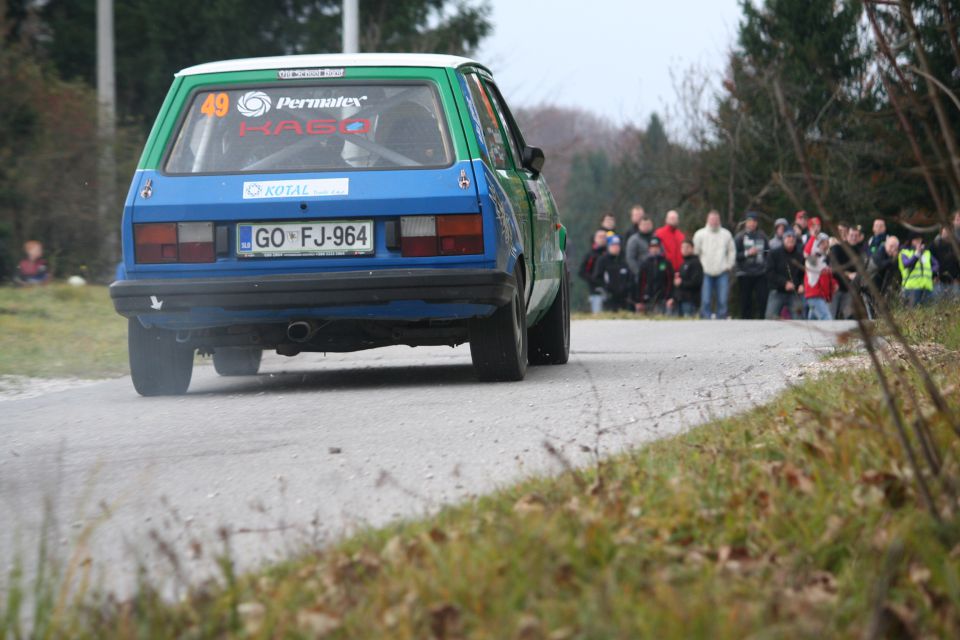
(314, 238)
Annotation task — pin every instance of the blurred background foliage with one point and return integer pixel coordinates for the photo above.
(722, 143)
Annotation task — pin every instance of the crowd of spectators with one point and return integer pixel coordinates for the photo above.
(797, 272)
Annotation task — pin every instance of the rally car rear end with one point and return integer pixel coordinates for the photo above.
(303, 209)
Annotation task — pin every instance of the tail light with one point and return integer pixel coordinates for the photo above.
(155, 243)
(450, 235)
(418, 236)
(171, 242)
(460, 235)
(195, 240)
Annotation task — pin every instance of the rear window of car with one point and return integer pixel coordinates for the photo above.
(311, 128)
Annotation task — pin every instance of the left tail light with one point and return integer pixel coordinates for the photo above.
(171, 242)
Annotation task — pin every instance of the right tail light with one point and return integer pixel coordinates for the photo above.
(447, 235)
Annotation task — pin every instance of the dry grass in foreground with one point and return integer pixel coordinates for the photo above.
(796, 520)
(61, 331)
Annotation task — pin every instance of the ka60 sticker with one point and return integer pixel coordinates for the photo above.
(310, 127)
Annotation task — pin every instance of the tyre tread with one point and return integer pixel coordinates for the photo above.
(159, 366)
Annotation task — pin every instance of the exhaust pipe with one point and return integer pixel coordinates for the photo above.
(301, 331)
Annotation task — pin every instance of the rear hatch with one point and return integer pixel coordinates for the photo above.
(301, 176)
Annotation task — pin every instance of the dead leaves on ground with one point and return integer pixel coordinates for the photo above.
(719, 520)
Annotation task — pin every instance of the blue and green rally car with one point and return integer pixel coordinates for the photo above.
(335, 203)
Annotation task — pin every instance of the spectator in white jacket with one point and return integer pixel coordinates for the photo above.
(718, 254)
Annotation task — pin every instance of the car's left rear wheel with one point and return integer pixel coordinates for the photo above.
(159, 365)
(237, 361)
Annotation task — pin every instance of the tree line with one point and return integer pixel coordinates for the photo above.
(841, 105)
(48, 137)
(850, 106)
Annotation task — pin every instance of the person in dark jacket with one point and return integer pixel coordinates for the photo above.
(613, 276)
(588, 266)
(752, 244)
(780, 227)
(687, 283)
(637, 215)
(879, 237)
(948, 279)
(883, 270)
(654, 284)
(844, 269)
(637, 244)
(785, 279)
(882, 267)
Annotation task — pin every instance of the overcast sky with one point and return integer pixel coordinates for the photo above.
(612, 57)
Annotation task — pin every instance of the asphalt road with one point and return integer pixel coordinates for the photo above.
(317, 445)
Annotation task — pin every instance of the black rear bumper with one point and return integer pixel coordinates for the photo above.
(337, 289)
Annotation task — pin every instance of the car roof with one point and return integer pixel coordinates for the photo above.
(332, 60)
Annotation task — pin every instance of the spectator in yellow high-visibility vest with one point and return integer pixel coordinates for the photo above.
(917, 269)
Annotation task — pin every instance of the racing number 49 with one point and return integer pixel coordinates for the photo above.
(216, 104)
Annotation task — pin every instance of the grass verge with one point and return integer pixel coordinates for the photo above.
(795, 520)
(61, 331)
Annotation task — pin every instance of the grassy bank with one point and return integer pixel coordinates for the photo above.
(61, 331)
(796, 520)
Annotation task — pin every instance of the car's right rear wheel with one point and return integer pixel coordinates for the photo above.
(159, 365)
(550, 338)
(498, 343)
(237, 361)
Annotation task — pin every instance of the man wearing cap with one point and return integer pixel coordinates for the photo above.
(718, 254)
(810, 237)
(917, 270)
(779, 228)
(785, 279)
(655, 283)
(613, 276)
(752, 268)
(687, 283)
(671, 238)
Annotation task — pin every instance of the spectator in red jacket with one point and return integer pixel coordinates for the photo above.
(818, 281)
(671, 238)
(810, 237)
(33, 269)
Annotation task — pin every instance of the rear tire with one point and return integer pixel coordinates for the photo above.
(237, 361)
(498, 344)
(159, 365)
(550, 338)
